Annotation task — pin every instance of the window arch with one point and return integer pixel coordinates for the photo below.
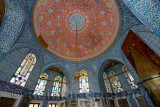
(83, 82)
(41, 85)
(106, 82)
(22, 74)
(115, 82)
(129, 77)
(56, 86)
(64, 86)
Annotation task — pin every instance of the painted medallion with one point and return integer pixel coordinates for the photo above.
(76, 29)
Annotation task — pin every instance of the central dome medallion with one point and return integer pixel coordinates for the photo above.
(76, 21)
(76, 29)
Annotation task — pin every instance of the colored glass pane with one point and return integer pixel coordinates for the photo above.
(22, 74)
(56, 86)
(106, 82)
(115, 82)
(83, 82)
(40, 87)
(129, 77)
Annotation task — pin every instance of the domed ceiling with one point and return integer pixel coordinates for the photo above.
(76, 29)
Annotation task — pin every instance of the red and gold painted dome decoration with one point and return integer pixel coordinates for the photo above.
(76, 30)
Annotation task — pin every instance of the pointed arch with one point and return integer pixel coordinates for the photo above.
(41, 85)
(83, 82)
(64, 86)
(23, 72)
(129, 77)
(56, 86)
(115, 82)
(106, 82)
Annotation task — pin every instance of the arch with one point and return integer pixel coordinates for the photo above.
(57, 86)
(90, 70)
(22, 74)
(102, 69)
(57, 65)
(31, 48)
(65, 72)
(12, 60)
(40, 87)
(13, 26)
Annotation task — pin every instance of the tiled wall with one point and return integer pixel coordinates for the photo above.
(14, 27)
(12, 22)
(147, 11)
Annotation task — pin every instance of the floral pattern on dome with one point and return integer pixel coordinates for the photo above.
(76, 30)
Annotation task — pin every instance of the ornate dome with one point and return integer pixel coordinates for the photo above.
(65, 28)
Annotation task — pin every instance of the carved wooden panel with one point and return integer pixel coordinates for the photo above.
(7, 102)
(135, 42)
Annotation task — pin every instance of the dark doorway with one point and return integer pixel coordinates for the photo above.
(123, 103)
(112, 103)
(7, 102)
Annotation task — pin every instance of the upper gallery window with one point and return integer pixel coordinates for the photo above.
(106, 82)
(24, 70)
(115, 82)
(39, 90)
(56, 86)
(129, 77)
(83, 82)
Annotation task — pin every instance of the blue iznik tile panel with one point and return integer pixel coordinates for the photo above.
(12, 24)
(148, 11)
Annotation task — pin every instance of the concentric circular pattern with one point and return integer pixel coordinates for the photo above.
(76, 29)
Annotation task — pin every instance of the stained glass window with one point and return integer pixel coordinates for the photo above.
(64, 86)
(24, 70)
(83, 82)
(106, 82)
(41, 85)
(115, 82)
(129, 77)
(56, 86)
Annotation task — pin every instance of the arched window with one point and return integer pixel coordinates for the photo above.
(115, 82)
(129, 77)
(56, 86)
(41, 85)
(24, 70)
(64, 86)
(83, 82)
(106, 82)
